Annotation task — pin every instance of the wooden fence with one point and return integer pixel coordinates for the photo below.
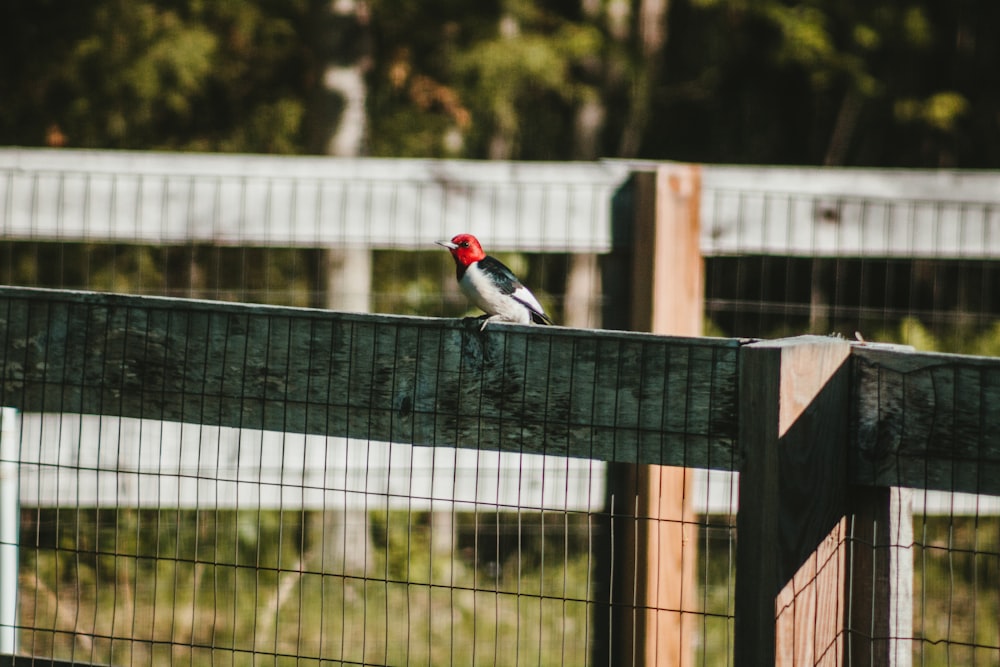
(823, 432)
(649, 224)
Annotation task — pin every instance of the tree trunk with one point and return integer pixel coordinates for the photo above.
(503, 143)
(651, 31)
(337, 120)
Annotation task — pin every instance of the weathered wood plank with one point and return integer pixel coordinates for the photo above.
(793, 430)
(927, 421)
(309, 201)
(850, 212)
(304, 201)
(879, 619)
(604, 395)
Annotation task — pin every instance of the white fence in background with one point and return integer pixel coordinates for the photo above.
(93, 461)
(228, 199)
(10, 520)
(841, 212)
(255, 200)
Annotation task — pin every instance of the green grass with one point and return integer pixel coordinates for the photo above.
(956, 591)
(150, 587)
(146, 587)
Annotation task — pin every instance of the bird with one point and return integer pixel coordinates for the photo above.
(491, 286)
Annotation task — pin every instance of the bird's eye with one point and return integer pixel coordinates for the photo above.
(464, 244)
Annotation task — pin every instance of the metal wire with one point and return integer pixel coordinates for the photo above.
(157, 542)
(147, 542)
(924, 279)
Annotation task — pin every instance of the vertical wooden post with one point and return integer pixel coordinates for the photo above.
(879, 615)
(790, 576)
(651, 281)
(349, 279)
(667, 298)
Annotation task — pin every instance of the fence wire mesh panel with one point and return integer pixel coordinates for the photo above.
(895, 257)
(281, 230)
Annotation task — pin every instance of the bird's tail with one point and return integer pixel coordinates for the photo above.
(540, 318)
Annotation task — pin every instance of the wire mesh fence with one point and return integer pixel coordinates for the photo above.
(286, 526)
(149, 542)
(897, 257)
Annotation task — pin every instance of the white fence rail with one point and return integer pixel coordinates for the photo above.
(69, 460)
(132, 197)
(836, 212)
(164, 198)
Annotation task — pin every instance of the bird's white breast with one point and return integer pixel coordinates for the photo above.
(481, 291)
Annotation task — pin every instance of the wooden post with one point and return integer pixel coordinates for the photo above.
(10, 524)
(651, 281)
(879, 616)
(349, 279)
(790, 576)
(824, 569)
(667, 298)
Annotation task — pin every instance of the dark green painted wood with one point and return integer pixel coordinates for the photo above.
(927, 421)
(604, 395)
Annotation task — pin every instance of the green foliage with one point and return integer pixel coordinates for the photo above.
(198, 586)
(941, 110)
(770, 81)
(956, 339)
(137, 70)
(186, 74)
(956, 577)
(515, 77)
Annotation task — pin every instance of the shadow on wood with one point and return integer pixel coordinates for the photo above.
(824, 568)
(793, 434)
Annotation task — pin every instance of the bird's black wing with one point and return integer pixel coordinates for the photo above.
(500, 274)
(511, 286)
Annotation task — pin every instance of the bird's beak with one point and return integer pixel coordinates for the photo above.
(447, 244)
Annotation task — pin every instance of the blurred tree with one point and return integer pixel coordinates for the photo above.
(909, 83)
(168, 75)
(339, 40)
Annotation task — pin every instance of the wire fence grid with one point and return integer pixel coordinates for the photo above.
(152, 542)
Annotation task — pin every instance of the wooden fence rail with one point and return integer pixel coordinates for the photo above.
(810, 423)
(301, 201)
(620, 397)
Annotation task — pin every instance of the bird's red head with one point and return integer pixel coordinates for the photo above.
(464, 248)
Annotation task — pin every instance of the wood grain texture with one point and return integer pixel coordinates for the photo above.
(304, 201)
(793, 435)
(813, 600)
(309, 201)
(676, 306)
(602, 395)
(879, 620)
(926, 421)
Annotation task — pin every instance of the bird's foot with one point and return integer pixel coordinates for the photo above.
(479, 319)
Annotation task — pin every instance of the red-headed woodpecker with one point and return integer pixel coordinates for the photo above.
(491, 286)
